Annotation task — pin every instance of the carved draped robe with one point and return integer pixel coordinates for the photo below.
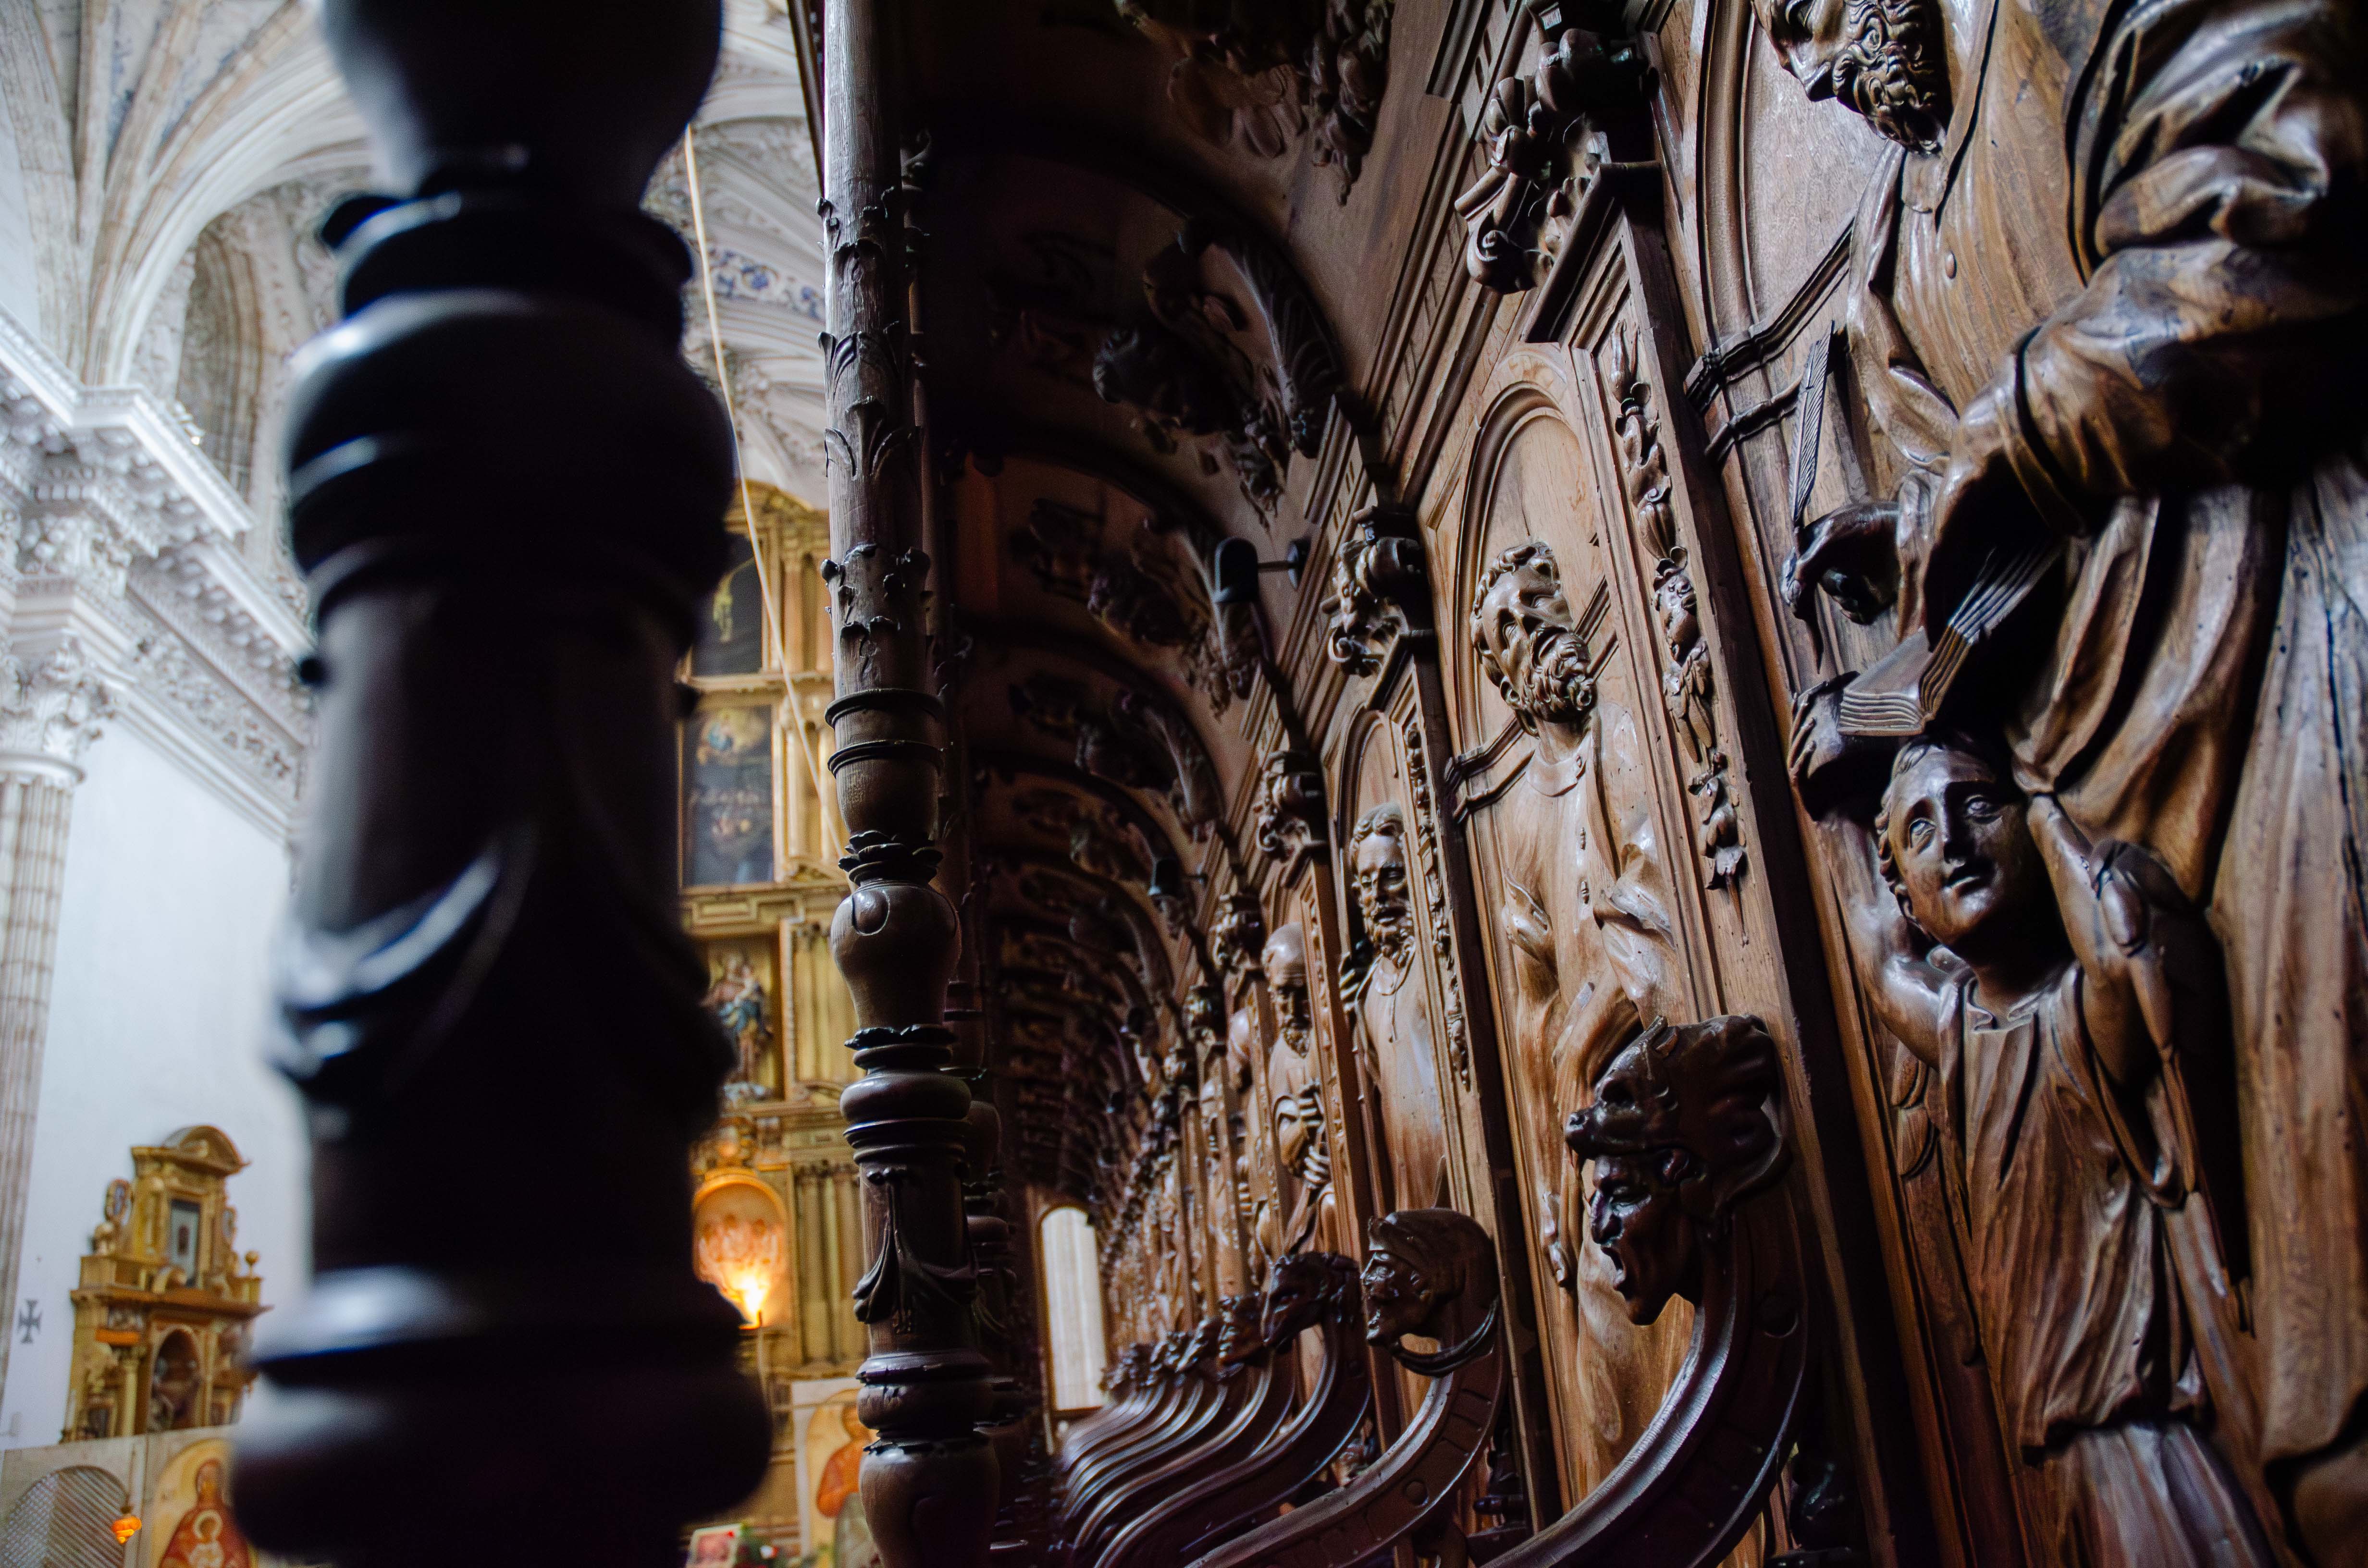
(2090, 1346)
(1393, 1011)
(2185, 415)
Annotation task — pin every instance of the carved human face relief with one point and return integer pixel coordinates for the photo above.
(1527, 639)
(1635, 1218)
(1381, 874)
(1959, 850)
(1294, 1297)
(1886, 59)
(1398, 1298)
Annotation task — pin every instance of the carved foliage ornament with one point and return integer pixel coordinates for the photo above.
(1378, 580)
(1291, 807)
(1687, 689)
(1434, 887)
(53, 709)
(1257, 74)
(1550, 136)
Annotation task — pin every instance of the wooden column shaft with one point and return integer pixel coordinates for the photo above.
(929, 1483)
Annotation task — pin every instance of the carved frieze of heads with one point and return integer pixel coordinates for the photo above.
(1377, 857)
(1529, 643)
(1686, 1123)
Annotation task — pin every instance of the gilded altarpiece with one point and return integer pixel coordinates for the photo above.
(165, 1301)
(775, 1214)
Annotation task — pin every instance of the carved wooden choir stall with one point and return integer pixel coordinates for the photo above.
(1632, 730)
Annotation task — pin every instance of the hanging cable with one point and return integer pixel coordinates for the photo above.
(776, 654)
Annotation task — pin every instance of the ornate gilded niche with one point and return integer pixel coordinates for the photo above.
(162, 1309)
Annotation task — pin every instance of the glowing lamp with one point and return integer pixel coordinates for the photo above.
(741, 1244)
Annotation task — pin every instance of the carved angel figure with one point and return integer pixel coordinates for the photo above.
(2069, 997)
(2104, 300)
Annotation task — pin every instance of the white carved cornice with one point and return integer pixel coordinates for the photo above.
(106, 505)
(117, 458)
(52, 709)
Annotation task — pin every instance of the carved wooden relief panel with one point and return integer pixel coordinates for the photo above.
(1404, 1021)
(1571, 846)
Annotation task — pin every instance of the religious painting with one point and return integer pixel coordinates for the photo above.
(728, 797)
(732, 622)
(743, 997)
(836, 1436)
(718, 1546)
(191, 1523)
(182, 1252)
(740, 1243)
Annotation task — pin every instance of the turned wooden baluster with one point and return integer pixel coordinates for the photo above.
(507, 491)
(930, 1482)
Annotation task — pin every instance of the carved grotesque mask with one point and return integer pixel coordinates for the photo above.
(1527, 639)
(1673, 604)
(1285, 962)
(1636, 1218)
(1381, 874)
(1683, 1127)
(1299, 1290)
(1238, 1339)
(1886, 59)
(1399, 1297)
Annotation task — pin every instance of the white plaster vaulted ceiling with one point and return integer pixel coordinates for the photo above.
(758, 184)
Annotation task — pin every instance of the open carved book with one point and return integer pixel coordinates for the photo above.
(1905, 690)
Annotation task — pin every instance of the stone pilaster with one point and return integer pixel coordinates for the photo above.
(51, 710)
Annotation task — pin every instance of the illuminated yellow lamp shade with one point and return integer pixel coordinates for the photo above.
(740, 1243)
(125, 1528)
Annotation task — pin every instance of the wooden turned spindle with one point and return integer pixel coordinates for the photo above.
(507, 491)
(929, 1481)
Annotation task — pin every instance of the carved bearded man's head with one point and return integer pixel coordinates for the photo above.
(1527, 639)
(1378, 853)
(1285, 962)
(1886, 58)
(1418, 1261)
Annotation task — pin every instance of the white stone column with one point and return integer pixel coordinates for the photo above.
(50, 709)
